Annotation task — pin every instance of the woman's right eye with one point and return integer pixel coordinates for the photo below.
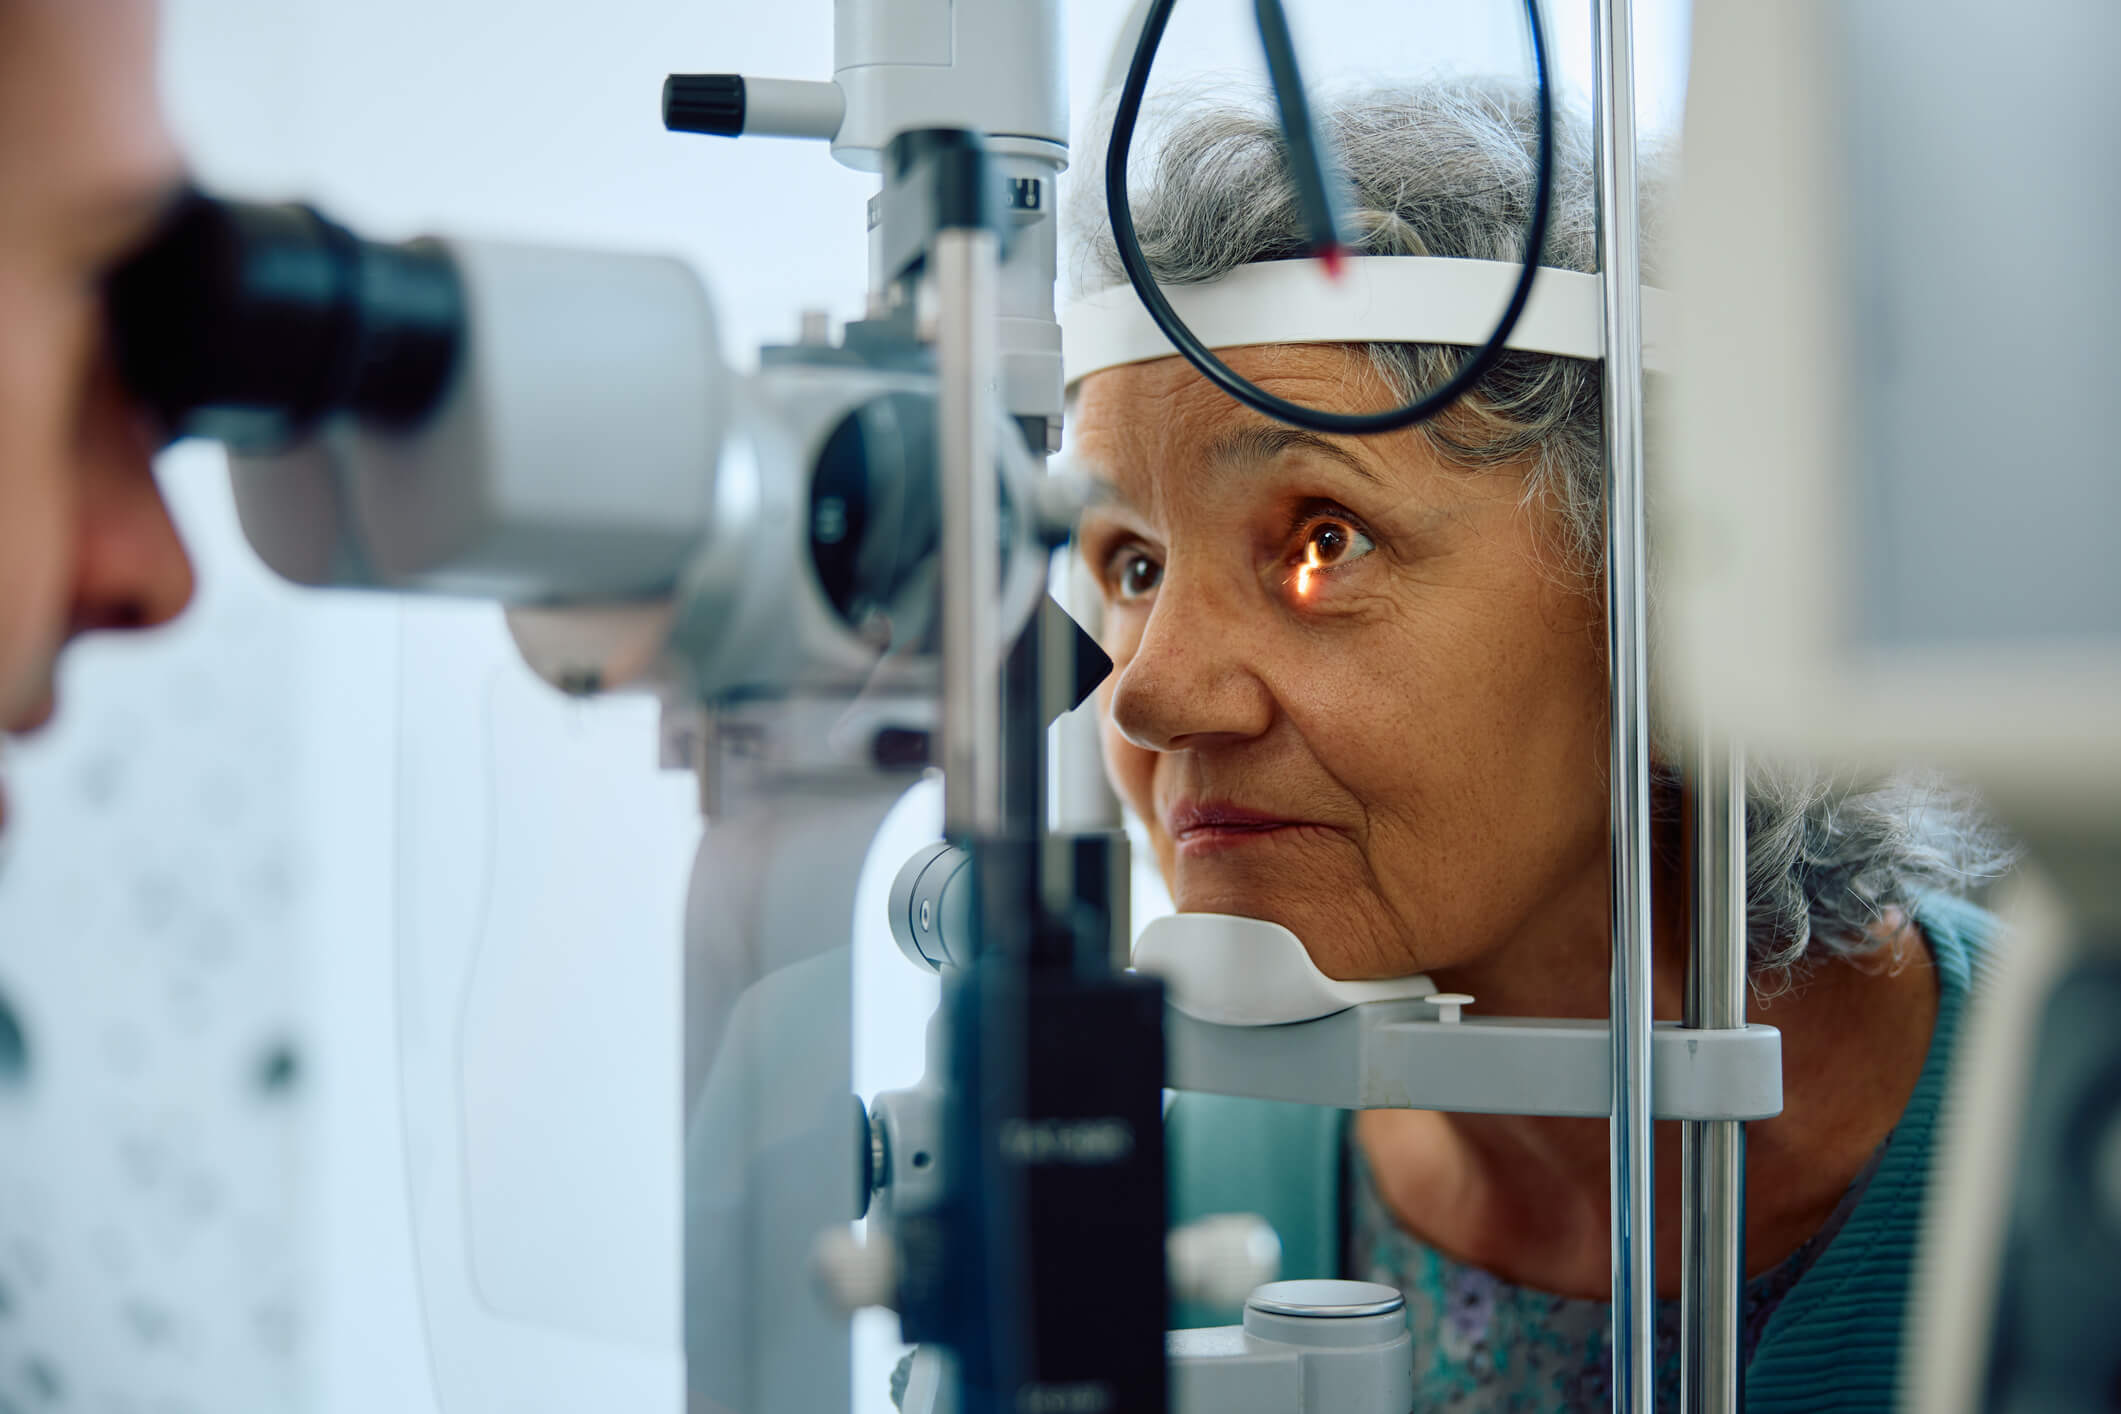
(1135, 574)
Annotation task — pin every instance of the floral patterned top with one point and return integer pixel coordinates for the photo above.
(1482, 1346)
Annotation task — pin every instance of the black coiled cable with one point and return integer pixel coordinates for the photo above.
(1303, 148)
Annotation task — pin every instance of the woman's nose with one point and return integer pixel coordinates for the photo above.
(130, 567)
(1190, 681)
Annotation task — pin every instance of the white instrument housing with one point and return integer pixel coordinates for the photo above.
(572, 459)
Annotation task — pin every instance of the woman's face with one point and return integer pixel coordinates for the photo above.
(1356, 693)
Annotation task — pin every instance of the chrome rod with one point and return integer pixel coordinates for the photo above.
(1620, 268)
(967, 351)
(1712, 1154)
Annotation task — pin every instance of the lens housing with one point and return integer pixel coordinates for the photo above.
(250, 323)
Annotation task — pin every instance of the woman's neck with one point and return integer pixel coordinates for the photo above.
(1526, 1198)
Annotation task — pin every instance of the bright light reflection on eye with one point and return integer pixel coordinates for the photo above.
(1311, 565)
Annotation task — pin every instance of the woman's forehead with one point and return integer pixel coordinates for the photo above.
(1160, 389)
(1142, 420)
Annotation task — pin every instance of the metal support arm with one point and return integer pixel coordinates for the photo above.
(1392, 1055)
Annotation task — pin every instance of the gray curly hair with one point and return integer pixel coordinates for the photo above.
(1447, 169)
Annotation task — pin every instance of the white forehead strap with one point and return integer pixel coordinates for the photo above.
(1378, 299)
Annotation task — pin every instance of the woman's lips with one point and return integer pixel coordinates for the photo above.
(1199, 827)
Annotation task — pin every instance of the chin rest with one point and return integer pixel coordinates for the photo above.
(1248, 972)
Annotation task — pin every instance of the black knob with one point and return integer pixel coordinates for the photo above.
(704, 103)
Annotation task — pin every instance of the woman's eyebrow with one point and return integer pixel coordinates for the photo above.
(1260, 442)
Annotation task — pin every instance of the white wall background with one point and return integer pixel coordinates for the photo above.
(306, 822)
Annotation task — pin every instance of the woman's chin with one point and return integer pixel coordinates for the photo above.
(1341, 925)
(1302, 911)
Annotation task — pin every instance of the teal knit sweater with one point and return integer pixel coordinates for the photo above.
(1833, 1344)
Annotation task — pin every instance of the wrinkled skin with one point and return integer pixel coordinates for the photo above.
(86, 166)
(1354, 637)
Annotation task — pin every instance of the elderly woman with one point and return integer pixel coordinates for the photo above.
(1361, 692)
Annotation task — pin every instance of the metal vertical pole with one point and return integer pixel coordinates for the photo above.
(1620, 269)
(967, 288)
(1712, 1153)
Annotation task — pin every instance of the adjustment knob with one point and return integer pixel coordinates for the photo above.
(1220, 1259)
(704, 103)
(852, 1273)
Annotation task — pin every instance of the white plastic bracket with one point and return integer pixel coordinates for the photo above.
(1250, 1014)
(1396, 1055)
(1248, 972)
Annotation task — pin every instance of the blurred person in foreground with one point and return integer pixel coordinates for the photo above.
(87, 168)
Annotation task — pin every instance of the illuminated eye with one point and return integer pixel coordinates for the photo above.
(1328, 545)
(1333, 542)
(1138, 575)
